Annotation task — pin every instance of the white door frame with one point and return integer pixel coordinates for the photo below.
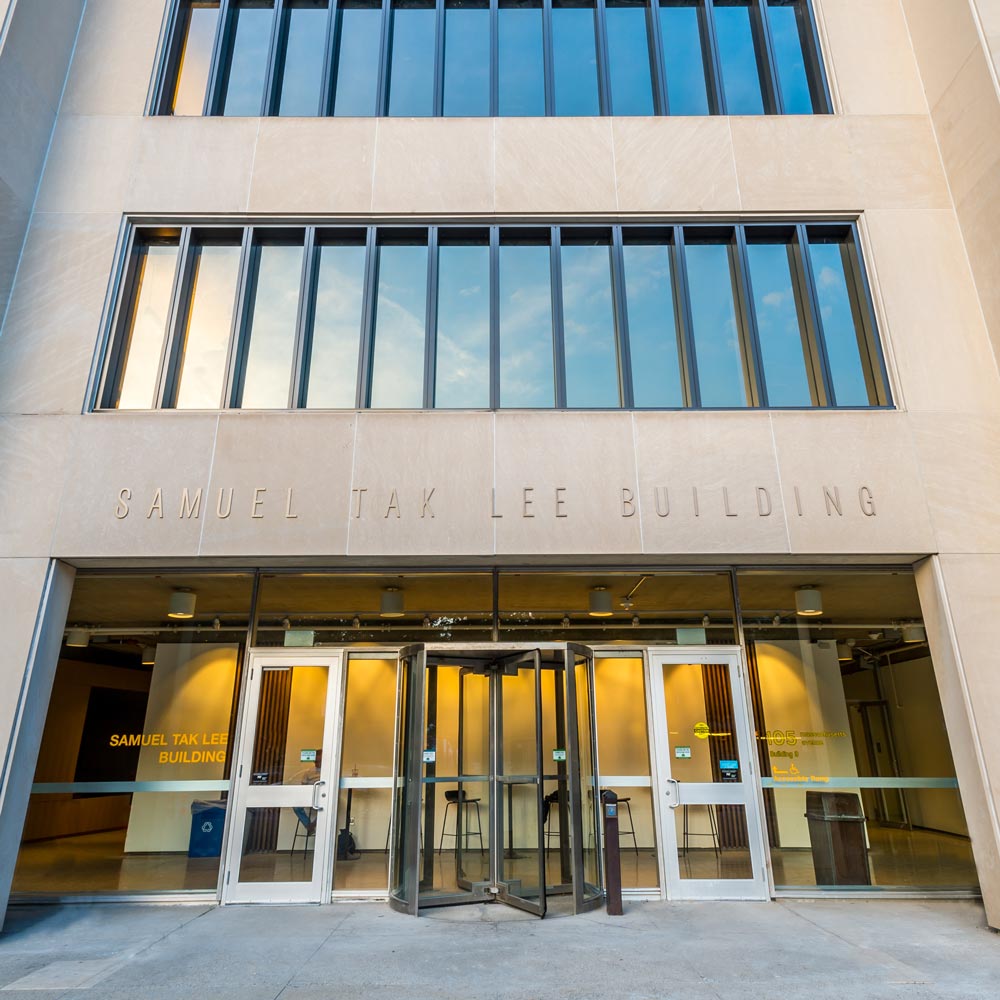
(669, 794)
(323, 796)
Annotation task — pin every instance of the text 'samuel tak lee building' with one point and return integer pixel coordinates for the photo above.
(419, 417)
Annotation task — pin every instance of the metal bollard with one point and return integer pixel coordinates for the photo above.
(612, 854)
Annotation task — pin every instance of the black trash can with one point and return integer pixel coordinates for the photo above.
(837, 838)
(208, 818)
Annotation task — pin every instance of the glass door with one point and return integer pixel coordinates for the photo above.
(706, 775)
(283, 811)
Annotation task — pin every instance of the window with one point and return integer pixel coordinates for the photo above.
(571, 316)
(457, 58)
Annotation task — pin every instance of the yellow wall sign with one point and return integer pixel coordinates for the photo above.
(701, 730)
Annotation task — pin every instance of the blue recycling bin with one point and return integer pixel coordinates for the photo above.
(208, 819)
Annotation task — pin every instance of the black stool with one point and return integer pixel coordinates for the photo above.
(458, 798)
(622, 832)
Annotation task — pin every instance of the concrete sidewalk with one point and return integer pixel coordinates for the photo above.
(689, 951)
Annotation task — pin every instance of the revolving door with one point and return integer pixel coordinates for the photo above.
(496, 794)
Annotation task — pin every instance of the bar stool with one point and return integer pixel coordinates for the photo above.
(714, 834)
(622, 832)
(459, 799)
(552, 802)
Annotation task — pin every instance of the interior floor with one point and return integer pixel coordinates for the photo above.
(95, 863)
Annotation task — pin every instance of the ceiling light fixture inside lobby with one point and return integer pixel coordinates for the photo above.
(808, 602)
(600, 603)
(391, 605)
(182, 603)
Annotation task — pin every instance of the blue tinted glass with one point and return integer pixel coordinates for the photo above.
(687, 87)
(714, 330)
(738, 59)
(837, 318)
(526, 374)
(788, 21)
(272, 328)
(333, 360)
(251, 44)
(400, 312)
(776, 307)
(463, 327)
(467, 58)
(574, 52)
(305, 50)
(652, 330)
(522, 70)
(589, 327)
(411, 73)
(628, 58)
(358, 57)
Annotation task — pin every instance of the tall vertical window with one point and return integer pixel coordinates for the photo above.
(462, 349)
(521, 56)
(630, 57)
(411, 59)
(301, 59)
(197, 23)
(779, 315)
(652, 324)
(526, 365)
(397, 379)
(245, 60)
(714, 326)
(335, 342)
(590, 343)
(574, 57)
(685, 56)
(456, 58)
(738, 34)
(214, 273)
(275, 275)
(359, 46)
(466, 58)
(645, 315)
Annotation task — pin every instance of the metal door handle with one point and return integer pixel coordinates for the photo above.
(676, 792)
(317, 785)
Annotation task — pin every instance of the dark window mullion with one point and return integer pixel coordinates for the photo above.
(603, 58)
(329, 49)
(655, 34)
(812, 347)
(494, 317)
(685, 323)
(558, 343)
(753, 366)
(430, 323)
(220, 53)
(717, 93)
(766, 65)
(382, 103)
(169, 61)
(625, 395)
(439, 43)
(494, 58)
(549, 67)
(239, 337)
(367, 319)
(173, 342)
(304, 322)
(822, 99)
(828, 396)
(275, 59)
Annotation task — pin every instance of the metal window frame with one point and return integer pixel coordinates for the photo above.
(673, 235)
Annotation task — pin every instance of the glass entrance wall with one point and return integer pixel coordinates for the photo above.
(859, 783)
(133, 775)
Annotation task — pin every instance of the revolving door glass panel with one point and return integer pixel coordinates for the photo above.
(485, 806)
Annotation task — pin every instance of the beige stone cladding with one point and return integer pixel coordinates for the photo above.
(909, 153)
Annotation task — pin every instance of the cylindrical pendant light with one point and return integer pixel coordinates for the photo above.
(845, 653)
(77, 638)
(182, 603)
(148, 656)
(391, 605)
(600, 603)
(914, 632)
(808, 602)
